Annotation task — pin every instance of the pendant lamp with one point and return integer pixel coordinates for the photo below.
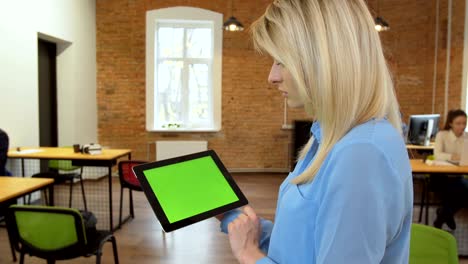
(232, 24)
(380, 23)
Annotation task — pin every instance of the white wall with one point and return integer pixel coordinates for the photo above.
(72, 25)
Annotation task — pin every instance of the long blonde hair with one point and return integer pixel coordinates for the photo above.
(334, 55)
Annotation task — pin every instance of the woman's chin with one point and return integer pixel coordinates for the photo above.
(295, 104)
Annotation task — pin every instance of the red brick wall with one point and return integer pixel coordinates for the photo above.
(251, 135)
(410, 49)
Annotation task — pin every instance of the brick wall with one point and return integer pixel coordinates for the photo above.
(409, 48)
(251, 135)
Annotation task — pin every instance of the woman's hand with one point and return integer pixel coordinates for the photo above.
(244, 234)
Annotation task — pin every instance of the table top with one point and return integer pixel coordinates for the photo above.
(419, 147)
(418, 166)
(11, 187)
(65, 153)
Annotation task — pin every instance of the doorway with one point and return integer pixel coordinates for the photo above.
(48, 129)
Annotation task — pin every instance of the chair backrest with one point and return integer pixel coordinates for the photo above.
(65, 165)
(126, 175)
(430, 245)
(46, 230)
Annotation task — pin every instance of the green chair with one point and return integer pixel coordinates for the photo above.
(430, 245)
(72, 173)
(54, 233)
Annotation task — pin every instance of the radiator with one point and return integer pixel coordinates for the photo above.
(171, 149)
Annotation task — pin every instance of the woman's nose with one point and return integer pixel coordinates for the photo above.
(275, 74)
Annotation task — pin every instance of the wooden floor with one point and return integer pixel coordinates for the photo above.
(142, 240)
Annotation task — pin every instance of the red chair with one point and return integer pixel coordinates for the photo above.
(128, 180)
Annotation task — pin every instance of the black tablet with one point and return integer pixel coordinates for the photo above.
(188, 189)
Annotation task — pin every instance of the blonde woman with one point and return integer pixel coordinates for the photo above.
(349, 199)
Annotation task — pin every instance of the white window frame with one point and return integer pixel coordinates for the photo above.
(175, 14)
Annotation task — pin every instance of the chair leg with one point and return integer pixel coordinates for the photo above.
(71, 192)
(427, 208)
(46, 199)
(423, 200)
(130, 195)
(427, 199)
(13, 251)
(83, 192)
(120, 208)
(114, 249)
(22, 257)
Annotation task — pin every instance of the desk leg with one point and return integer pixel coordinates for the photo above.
(110, 198)
(131, 215)
(23, 174)
(22, 167)
(110, 195)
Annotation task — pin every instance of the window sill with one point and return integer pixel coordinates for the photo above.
(185, 130)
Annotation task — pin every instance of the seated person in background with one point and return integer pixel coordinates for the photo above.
(453, 189)
(4, 141)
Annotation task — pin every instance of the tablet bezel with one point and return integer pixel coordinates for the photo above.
(156, 206)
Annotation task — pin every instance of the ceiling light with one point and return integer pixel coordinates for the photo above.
(381, 24)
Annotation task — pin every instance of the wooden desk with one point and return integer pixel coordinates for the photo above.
(418, 151)
(12, 188)
(419, 147)
(66, 154)
(418, 166)
(107, 158)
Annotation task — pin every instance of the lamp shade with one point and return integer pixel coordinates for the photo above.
(381, 24)
(232, 24)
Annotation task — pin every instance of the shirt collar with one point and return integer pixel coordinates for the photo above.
(452, 135)
(316, 131)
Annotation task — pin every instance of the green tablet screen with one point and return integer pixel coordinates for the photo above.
(189, 188)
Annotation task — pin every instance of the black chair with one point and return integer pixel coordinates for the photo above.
(128, 180)
(55, 233)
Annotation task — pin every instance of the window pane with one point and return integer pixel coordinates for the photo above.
(199, 94)
(169, 93)
(170, 42)
(199, 43)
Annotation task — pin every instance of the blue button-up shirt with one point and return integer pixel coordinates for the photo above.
(358, 208)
